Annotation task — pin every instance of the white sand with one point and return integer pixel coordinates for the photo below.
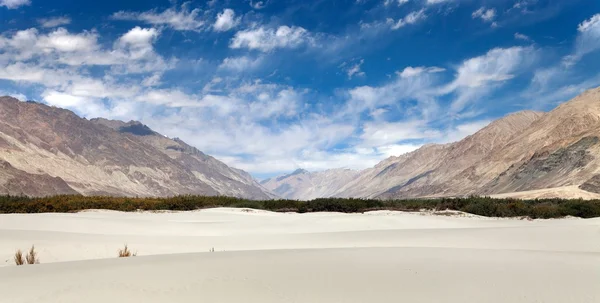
(565, 192)
(326, 257)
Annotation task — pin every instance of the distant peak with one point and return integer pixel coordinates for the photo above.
(299, 171)
(137, 129)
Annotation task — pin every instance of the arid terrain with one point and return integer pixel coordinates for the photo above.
(522, 152)
(47, 150)
(261, 256)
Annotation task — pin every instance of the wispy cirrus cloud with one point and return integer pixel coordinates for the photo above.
(54, 21)
(411, 18)
(183, 18)
(588, 40)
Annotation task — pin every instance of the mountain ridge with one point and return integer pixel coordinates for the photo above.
(107, 157)
(523, 151)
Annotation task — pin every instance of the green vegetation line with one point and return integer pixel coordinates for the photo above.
(484, 206)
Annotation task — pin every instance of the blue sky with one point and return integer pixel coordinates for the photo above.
(274, 85)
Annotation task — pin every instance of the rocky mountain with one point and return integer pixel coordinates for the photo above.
(541, 154)
(46, 150)
(304, 185)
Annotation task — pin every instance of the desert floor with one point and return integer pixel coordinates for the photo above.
(261, 256)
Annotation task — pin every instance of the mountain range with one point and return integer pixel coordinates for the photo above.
(526, 154)
(47, 151)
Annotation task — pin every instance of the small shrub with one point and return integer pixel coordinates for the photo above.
(32, 257)
(19, 259)
(126, 253)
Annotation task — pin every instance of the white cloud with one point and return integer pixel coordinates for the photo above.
(63, 41)
(54, 21)
(497, 65)
(523, 37)
(182, 19)
(477, 76)
(240, 64)
(226, 21)
(58, 55)
(152, 80)
(19, 96)
(588, 40)
(559, 82)
(267, 39)
(139, 37)
(395, 150)
(487, 15)
(430, 2)
(414, 71)
(523, 5)
(411, 18)
(385, 133)
(26, 44)
(13, 4)
(354, 70)
(590, 24)
(258, 4)
(401, 92)
(398, 2)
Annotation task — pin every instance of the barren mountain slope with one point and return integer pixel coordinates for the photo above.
(556, 149)
(224, 179)
(560, 149)
(395, 171)
(18, 182)
(442, 180)
(304, 185)
(524, 151)
(97, 158)
(427, 170)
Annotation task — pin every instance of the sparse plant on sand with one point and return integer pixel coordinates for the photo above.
(126, 253)
(19, 259)
(30, 258)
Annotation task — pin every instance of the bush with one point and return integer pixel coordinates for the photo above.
(484, 206)
(126, 253)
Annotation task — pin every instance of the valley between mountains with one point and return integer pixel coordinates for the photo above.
(48, 151)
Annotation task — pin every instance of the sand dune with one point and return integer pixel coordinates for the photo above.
(565, 192)
(328, 257)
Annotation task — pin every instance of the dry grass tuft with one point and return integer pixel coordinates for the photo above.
(32, 257)
(19, 259)
(126, 253)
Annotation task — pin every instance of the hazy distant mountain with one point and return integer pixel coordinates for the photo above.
(304, 185)
(547, 154)
(46, 150)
